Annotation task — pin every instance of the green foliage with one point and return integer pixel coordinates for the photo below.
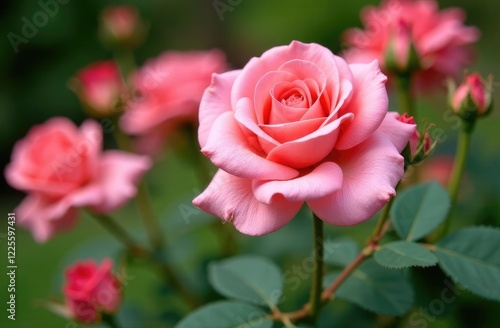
(344, 251)
(419, 210)
(226, 314)
(375, 288)
(403, 254)
(471, 256)
(247, 278)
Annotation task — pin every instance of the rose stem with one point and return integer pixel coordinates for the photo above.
(405, 96)
(317, 280)
(136, 250)
(463, 146)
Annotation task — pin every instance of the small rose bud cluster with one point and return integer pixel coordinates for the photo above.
(420, 145)
(473, 98)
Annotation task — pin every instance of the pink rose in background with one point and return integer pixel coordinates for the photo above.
(296, 125)
(440, 38)
(62, 168)
(99, 87)
(170, 89)
(91, 289)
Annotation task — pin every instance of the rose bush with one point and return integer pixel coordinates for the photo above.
(440, 38)
(63, 168)
(91, 289)
(296, 125)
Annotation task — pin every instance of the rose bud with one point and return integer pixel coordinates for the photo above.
(401, 57)
(121, 26)
(100, 88)
(473, 98)
(91, 290)
(420, 145)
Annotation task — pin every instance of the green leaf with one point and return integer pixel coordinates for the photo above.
(403, 254)
(247, 278)
(341, 251)
(419, 210)
(471, 256)
(376, 289)
(226, 314)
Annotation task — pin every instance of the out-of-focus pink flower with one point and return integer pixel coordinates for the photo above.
(474, 89)
(170, 89)
(438, 168)
(296, 125)
(441, 40)
(121, 25)
(100, 88)
(62, 168)
(91, 290)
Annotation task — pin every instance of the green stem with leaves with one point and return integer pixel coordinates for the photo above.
(138, 251)
(317, 279)
(463, 146)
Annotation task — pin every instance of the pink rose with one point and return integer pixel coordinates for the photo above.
(474, 89)
(99, 87)
(170, 89)
(91, 290)
(296, 125)
(440, 38)
(63, 168)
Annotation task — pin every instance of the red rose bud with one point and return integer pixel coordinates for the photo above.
(91, 290)
(420, 145)
(473, 97)
(121, 26)
(100, 88)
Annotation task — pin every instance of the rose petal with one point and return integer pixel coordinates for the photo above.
(371, 171)
(119, 174)
(320, 182)
(262, 98)
(231, 198)
(292, 131)
(310, 149)
(399, 133)
(369, 104)
(245, 115)
(216, 100)
(45, 218)
(228, 148)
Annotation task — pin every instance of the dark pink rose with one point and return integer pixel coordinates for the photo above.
(91, 289)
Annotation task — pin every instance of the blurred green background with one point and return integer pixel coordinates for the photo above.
(33, 87)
